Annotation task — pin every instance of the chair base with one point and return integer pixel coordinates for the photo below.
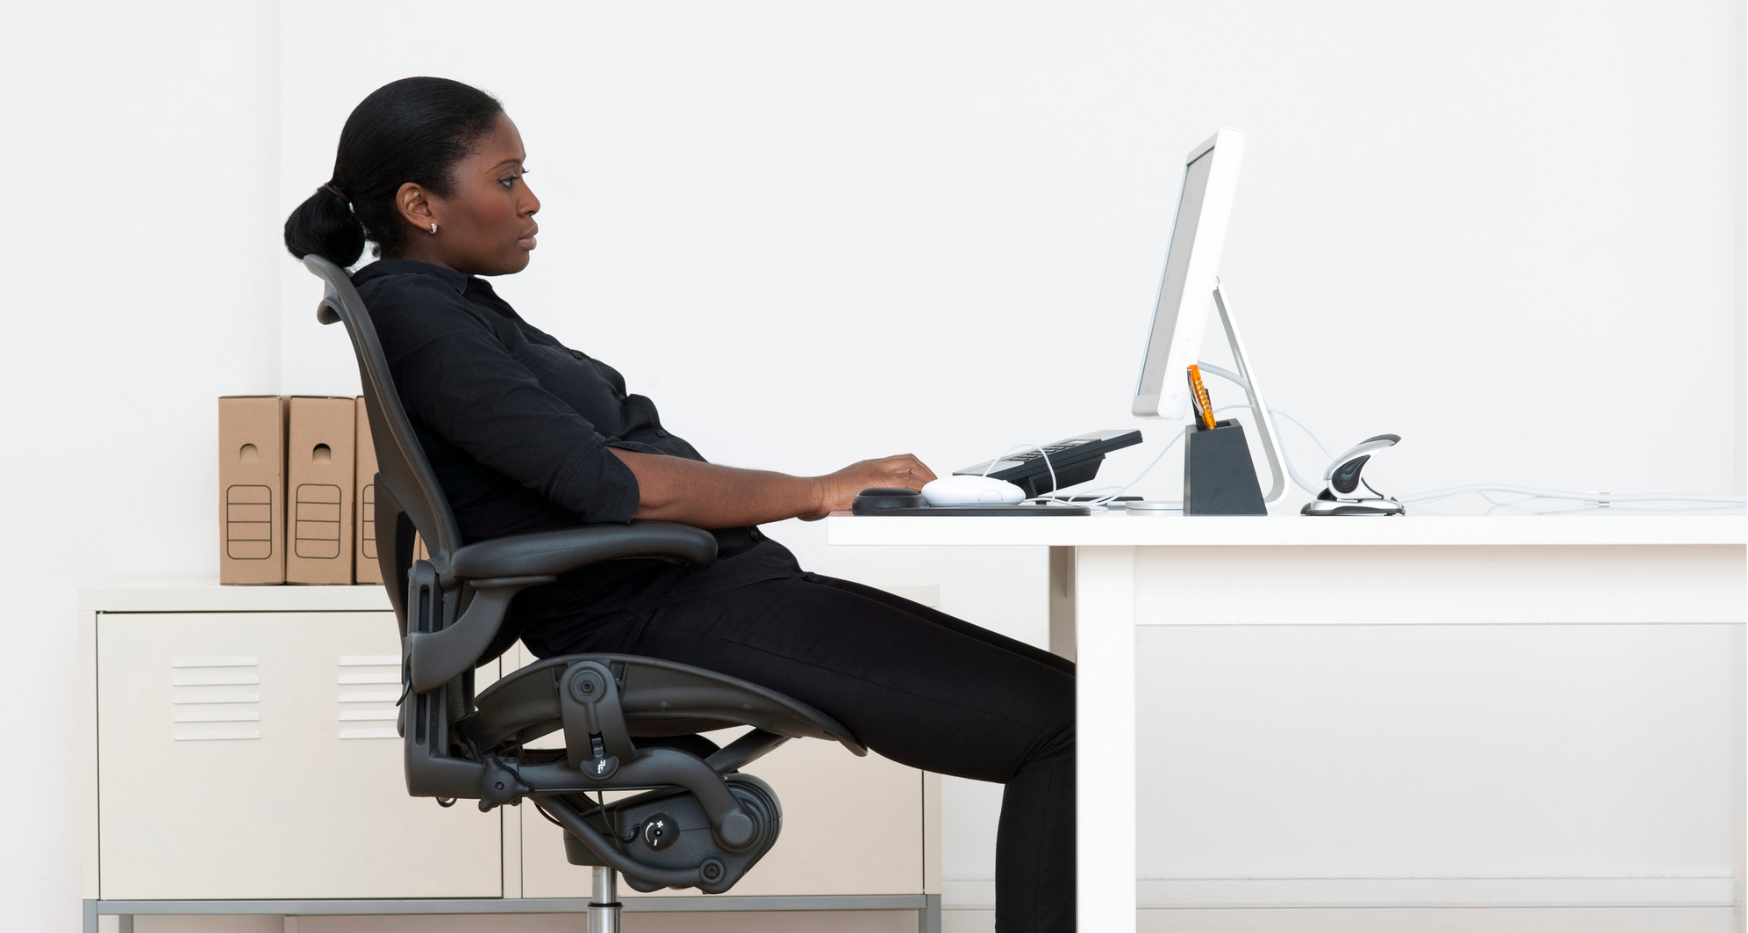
(604, 906)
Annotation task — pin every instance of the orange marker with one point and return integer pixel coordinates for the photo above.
(1199, 392)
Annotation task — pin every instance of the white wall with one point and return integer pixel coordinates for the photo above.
(818, 233)
(137, 183)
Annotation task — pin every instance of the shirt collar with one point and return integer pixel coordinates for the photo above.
(456, 280)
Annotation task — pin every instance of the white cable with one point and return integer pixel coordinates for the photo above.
(1143, 474)
(1286, 460)
(1041, 453)
(1276, 412)
(1535, 493)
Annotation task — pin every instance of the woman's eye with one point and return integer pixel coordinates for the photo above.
(510, 180)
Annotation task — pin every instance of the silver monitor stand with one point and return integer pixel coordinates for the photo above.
(1265, 423)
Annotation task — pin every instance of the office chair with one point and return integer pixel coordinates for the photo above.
(629, 723)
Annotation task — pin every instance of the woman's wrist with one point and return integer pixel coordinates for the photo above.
(815, 495)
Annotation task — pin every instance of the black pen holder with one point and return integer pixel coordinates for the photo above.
(1219, 477)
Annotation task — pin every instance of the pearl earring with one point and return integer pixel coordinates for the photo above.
(433, 227)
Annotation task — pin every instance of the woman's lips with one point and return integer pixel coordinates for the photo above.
(528, 242)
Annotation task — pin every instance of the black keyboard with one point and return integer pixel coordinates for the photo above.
(1076, 460)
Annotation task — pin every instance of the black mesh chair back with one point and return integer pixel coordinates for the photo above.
(413, 495)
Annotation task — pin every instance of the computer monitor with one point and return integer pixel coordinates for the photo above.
(1191, 284)
(1192, 267)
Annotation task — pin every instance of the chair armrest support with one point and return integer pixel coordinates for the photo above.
(436, 658)
(499, 568)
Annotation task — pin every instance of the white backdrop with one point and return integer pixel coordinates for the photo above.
(1511, 233)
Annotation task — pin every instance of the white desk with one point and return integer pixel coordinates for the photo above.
(1110, 573)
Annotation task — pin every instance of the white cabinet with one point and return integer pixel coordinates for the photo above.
(239, 744)
(254, 755)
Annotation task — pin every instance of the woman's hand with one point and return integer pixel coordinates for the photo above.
(835, 491)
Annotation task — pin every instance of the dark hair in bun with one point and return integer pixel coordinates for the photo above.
(412, 130)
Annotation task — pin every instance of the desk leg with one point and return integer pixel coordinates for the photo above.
(1104, 625)
(1062, 602)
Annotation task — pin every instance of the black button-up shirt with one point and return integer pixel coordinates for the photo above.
(517, 425)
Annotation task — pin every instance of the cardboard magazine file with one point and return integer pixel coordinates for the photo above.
(320, 479)
(365, 568)
(251, 441)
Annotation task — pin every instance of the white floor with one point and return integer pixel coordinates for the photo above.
(1407, 920)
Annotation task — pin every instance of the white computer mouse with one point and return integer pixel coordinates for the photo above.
(971, 490)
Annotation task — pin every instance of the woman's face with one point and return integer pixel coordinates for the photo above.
(485, 224)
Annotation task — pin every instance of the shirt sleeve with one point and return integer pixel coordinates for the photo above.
(455, 377)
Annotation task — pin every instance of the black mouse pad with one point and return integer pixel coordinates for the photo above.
(991, 509)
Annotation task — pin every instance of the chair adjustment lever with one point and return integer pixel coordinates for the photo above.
(596, 738)
(499, 785)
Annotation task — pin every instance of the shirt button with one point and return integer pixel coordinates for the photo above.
(660, 433)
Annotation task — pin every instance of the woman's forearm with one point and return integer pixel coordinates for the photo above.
(674, 489)
(707, 495)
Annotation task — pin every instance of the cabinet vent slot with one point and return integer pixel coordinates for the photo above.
(379, 732)
(367, 715)
(217, 714)
(215, 679)
(210, 734)
(238, 661)
(202, 710)
(373, 677)
(232, 696)
(359, 707)
(369, 696)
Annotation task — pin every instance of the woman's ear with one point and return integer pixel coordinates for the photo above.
(416, 207)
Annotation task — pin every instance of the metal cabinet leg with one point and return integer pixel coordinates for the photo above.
(90, 911)
(929, 917)
(124, 923)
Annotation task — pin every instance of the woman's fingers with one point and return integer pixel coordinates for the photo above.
(907, 467)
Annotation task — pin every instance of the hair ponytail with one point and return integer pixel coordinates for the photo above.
(411, 130)
(323, 225)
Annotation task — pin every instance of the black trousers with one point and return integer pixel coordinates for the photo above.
(916, 685)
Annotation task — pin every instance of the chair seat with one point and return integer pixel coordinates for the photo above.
(659, 699)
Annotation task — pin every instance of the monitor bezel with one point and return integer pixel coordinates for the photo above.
(1190, 310)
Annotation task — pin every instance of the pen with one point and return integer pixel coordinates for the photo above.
(1199, 395)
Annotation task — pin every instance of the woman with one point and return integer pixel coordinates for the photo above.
(526, 435)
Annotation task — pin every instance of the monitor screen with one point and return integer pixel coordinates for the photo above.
(1186, 290)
